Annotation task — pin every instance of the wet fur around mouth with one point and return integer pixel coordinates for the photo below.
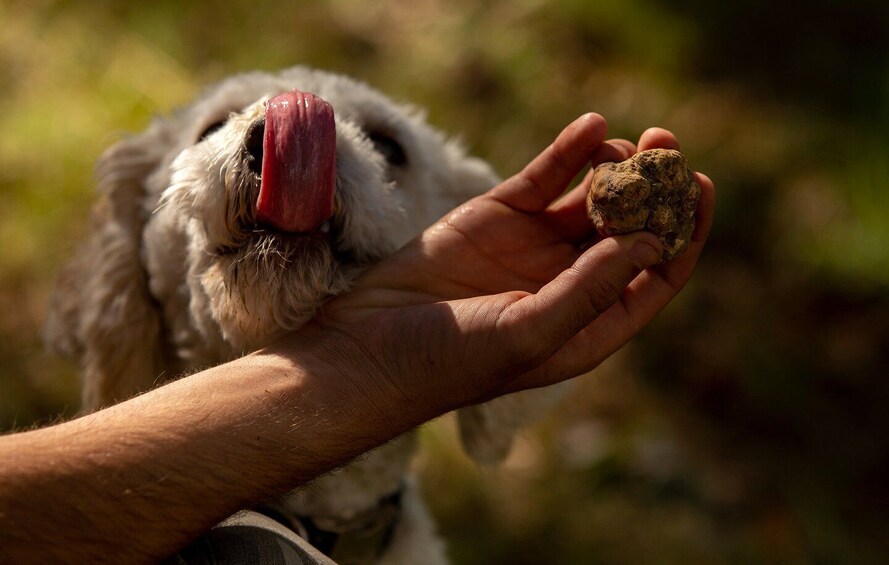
(178, 275)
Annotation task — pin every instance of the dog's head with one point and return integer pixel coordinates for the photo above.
(226, 225)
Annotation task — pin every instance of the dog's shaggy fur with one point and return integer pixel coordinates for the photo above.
(178, 275)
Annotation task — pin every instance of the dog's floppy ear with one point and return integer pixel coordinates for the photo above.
(102, 314)
(487, 430)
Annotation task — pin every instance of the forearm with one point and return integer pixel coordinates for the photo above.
(138, 480)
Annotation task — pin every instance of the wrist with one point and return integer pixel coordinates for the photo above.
(355, 398)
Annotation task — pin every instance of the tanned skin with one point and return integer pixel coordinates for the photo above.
(510, 291)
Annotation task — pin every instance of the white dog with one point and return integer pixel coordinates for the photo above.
(226, 225)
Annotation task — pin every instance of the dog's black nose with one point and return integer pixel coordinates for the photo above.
(253, 144)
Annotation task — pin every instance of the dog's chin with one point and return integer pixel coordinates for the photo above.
(272, 283)
(262, 245)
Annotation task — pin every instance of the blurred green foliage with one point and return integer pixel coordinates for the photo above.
(747, 424)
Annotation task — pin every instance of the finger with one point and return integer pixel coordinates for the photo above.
(546, 177)
(658, 138)
(639, 303)
(669, 278)
(657, 286)
(544, 321)
(613, 150)
(706, 208)
(568, 214)
(650, 292)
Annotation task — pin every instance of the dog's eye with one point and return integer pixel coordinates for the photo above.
(389, 148)
(210, 130)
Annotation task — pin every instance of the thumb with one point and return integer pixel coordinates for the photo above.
(578, 295)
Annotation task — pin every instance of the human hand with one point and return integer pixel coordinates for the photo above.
(510, 291)
(513, 289)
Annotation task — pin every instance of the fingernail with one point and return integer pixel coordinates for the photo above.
(645, 252)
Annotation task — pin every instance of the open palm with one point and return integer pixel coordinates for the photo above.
(520, 268)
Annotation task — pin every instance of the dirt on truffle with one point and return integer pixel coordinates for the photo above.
(653, 190)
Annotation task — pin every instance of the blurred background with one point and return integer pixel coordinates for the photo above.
(749, 423)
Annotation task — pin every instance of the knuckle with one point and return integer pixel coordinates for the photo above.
(602, 293)
(599, 293)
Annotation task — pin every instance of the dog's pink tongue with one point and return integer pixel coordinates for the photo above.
(298, 164)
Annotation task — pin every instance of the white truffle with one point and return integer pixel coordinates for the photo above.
(653, 190)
